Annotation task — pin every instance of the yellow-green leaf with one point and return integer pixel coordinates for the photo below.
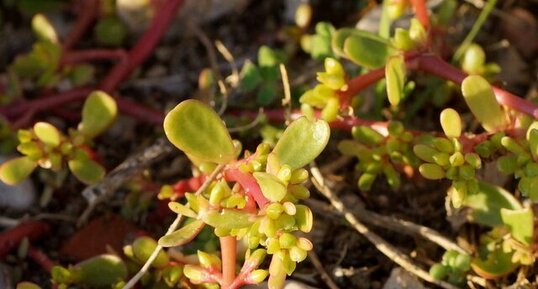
(87, 171)
(272, 188)
(395, 76)
(98, 113)
(497, 264)
(197, 130)
(520, 222)
(181, 209)
(47, 133)
(300, 143)
(16, 170)
(481, 100)
(227, 219)
(43, 29)
(486, 204)
(366, 49)
(27, 285)
(100, 272)
(451, 122)
(183, 235)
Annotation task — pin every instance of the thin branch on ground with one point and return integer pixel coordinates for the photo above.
(383, 246)
(323, 274)
(96, 194)
(132, 282)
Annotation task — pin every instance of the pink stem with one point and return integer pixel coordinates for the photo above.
(355, 85)
(41, 258)
(87, 14)
(228, 254)
(140, 112)
(144, 47)
(81, 56)
(437, 66)
(248, 183)
(421, 12)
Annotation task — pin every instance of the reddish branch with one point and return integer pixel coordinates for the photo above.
(421, 12)
(32, 230)
(228, 252)
(82, 56)
(144, 47)
(87, 14)
(41, 258)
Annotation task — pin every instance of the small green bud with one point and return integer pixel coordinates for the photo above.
(451, 122)
(256, 276)
(297, 254)
(531, 169)
(330, 111)
(366, 180)
(402, 40)
(444, 145)
(286, 222)
(366, 135)
(474, 160)
(274, 210)
(457, 159)
(194, 273)
(417, 33)
(511, 145)
(290, 208)
(273, 245)
(209, 261)
(439, 272)
(143, 248)
(507, 164)
(256, 257)
(393, 177)
(304, 244)
(395, 128)
(303, 15)
(299, 191)
(284, 174)
(441, 159)
(304, 218)
(462, 262)
(287, 240)
(268, 227)
(467, 172)
(425, 152)
(298, 176)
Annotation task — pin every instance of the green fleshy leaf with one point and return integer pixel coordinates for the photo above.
(100, 272)
(497, 264)
(227, 219)
(16, 170)
(395, 73)
(87, 171)
(47, 133)
(304, 218)
(98, 113)
(250, 76)
(533, 142)
(272, 188)
(181, 209)
(300, 144)
(268, 57)
(487, 203)
(367, 135)
(520, 222)
(197, 130)
(43, 29)
(451, 122)
(27, 285)
(481, 101)
(366, 49)
(183, 235)
(266, 94)
(110, 31)
(143, 248)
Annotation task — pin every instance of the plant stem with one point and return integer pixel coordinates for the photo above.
(87, 14)
(41, 258)
(144, 47)
(248, 183)
(421, 12)
(140, 112)
(11, 238)
(81, 56)
(359, 83)
(228, 254)
(132, 282)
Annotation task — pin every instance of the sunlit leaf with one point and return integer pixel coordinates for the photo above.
(520, 222)
(143, 248)
(181, 209)
(43, 29)
(365, 48)
(16, 170)
(197, 130)
(304, 218)
(300, 143)
(27, 285)
(487, 203)
(86, 170)
(481, 101)
(395, 76)
(100, 271)
(451, 122)
(47, 133)
(497, 264)
(227, 219)
(98, 113)
(250, 76)
(272, 188)
(183, 235)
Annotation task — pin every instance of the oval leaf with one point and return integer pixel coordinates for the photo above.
(272, 188)
(481, 101)
(487, 202)
(198, 131)
(497, 264)
(227, 219)
(98, 113)
(395, 75)
(520, 223)
(100, 271)
(16, 170)
(300, 143)
(27, 285)
(183, 235)
(47, 133)
(451, 122)
(367, 49)
(87, 171)
(43, 29)
(181, 209)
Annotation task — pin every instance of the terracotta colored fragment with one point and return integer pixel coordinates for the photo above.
(94, 238)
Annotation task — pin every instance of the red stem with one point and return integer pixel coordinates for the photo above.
(249, 184)
(144, 47)
(359, 83)
(228, 254)
(41, 258)
(87, 14)
(81, 56)
(437, 66)
(421, 12)
(32, 230)
(140, 112)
